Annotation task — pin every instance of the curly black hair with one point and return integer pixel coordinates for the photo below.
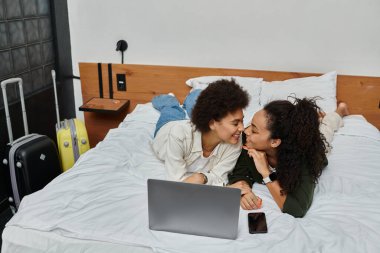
(216, 101)
(297, 125)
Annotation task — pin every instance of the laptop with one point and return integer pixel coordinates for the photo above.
(193, 208)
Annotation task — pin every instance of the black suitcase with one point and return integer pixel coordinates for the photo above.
(32, 160)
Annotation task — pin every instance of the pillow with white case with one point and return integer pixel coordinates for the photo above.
(322, 86)
(251, 84)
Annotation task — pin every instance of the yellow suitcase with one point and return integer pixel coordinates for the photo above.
(72, 138)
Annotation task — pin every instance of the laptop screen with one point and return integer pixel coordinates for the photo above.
(193, 209)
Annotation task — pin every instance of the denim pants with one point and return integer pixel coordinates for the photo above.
(171, 110)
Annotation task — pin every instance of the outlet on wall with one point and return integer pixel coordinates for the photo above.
(121, 82)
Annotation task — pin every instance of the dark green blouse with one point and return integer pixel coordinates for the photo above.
(297, 202)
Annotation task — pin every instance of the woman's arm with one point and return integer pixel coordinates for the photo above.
(242, 177)
(296, 203)
(299, 201)
(196, 178)
(262, 166)
(275, 190)
(174, 158)
(242, 171)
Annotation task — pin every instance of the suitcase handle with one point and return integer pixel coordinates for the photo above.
(5, 99)
(55, 95)
(23, 138)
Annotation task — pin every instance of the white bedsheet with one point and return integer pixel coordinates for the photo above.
(103, 200)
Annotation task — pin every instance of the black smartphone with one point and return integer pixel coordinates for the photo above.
(257, 223)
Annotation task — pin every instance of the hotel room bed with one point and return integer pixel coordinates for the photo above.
(100, 205)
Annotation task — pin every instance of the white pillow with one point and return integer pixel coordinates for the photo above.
(251, 84)
(322, 86)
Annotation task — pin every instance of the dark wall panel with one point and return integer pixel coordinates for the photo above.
(63, 58)
(25, 30)
(34, 39)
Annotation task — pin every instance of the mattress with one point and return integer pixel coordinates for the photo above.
(100, 205)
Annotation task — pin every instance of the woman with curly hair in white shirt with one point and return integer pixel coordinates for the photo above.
(202, 150)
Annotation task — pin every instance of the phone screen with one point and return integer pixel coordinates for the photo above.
(257, 223)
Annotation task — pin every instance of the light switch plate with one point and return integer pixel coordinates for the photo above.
(121, 82)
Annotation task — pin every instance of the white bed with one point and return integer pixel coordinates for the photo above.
(100, 205)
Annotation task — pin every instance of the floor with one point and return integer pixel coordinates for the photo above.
(5, 216)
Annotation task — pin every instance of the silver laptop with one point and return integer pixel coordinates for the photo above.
(193, 209)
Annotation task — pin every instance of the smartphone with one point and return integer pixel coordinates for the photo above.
(257, 223)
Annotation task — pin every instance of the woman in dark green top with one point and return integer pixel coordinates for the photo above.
(286, 150)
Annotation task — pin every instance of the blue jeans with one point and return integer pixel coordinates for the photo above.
(171, 110)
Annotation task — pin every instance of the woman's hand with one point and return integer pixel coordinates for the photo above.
(242, 185)
(195, 178)
(250, 201)
(260, 160)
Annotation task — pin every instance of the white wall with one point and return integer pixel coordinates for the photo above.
(285, 35)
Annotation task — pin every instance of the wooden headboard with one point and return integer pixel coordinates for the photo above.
(361, 93)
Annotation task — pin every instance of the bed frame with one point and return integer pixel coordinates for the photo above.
(361, 93)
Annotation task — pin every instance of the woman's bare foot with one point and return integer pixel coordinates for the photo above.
(342, 109)
(321, 115)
